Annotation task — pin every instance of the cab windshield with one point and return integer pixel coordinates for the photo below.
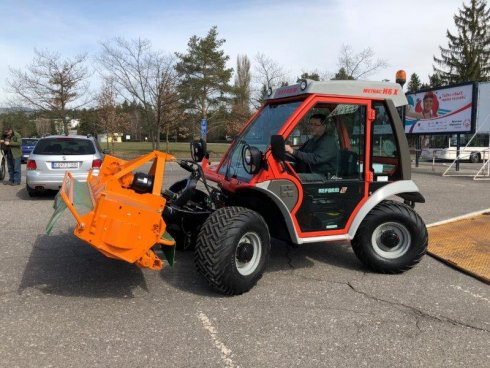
(258, 134)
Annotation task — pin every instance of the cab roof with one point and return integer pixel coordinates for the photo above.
(349, 88)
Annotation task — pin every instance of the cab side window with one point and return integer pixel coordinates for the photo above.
(329, 142)
(385, 159)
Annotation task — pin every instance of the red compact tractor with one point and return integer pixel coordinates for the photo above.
(265, 186)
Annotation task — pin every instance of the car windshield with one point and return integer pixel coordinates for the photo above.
(258, 134)
(64, 146)
(29, 142)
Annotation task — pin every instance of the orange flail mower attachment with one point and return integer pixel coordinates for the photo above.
(122, 224)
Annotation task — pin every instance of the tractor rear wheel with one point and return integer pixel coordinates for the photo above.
(232, 249)
(391, 239)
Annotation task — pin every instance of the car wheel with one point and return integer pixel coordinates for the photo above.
(475, 158)
(32, 192)
(391, 239)
(232, 249)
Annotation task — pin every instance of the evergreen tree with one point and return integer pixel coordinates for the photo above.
(203, 74)
(435, 81)
(313, 76)
(467, 57)
(414, 83)
(342, 75)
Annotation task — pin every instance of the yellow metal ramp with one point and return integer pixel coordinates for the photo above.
(463, 243)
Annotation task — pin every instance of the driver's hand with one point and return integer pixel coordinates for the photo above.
(289, 149)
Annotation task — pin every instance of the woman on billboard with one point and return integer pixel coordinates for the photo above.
(427, 109)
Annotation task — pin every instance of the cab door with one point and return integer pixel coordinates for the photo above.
(329, 200)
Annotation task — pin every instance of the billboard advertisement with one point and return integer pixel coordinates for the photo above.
(445, 110)
(483, 110)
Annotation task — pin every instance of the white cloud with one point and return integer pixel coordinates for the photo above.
(301, 36)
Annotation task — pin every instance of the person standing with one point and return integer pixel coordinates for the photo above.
(11, 145)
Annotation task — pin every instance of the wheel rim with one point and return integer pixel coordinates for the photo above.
(391, 240)
(248, 253)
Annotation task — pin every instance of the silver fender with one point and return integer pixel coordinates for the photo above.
(402, 186)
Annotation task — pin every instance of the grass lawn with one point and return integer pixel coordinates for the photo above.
(134, 149)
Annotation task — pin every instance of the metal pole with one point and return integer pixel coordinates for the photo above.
(458, 144)
(417, 151)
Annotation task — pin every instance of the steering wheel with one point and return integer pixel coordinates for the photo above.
(187, 165)
(290, 157)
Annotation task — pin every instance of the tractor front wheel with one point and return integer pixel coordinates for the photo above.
(232, 249)
(391, 239)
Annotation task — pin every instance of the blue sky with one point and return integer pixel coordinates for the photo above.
(299, 35)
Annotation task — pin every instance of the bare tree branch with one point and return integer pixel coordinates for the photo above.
(144, 75)
(52, 84)
(359, 65)
(268, 74)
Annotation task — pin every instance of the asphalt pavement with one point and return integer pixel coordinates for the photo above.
(63, 304)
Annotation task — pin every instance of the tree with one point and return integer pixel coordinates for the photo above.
(342, 75)
(89, 121)
(357, 66)
(142, 74)
(269, 74)
(203, 74)
(240, 108)
(313, 76)
(435, 80)
(414, 83)
(467, 57)
(111, 120)
(242, 83)
(19, 121)
(52, 84)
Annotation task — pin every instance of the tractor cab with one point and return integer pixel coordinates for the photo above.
(356, 146)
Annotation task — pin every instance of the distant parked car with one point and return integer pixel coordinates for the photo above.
(54, 155)
(28, 145)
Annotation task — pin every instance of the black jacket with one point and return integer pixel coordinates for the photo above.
(319, 154)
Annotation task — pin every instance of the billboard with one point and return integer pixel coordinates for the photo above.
(444, 110)
(483, 110)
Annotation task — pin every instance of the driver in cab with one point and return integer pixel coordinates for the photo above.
(319, 153)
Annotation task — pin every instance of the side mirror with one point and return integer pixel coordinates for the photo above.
(106, 151)
(198, 150)
(251, 159)
(278, 147)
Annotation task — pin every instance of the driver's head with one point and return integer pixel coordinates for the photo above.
(317, 125)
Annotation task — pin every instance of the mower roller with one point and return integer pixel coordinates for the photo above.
(268, 185)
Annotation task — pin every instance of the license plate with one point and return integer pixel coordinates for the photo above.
(64, 165)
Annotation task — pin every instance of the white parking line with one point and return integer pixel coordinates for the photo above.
(478, 296)
(457, 218)
(224, 350)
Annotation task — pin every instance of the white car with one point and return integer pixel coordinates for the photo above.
(54, 155)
